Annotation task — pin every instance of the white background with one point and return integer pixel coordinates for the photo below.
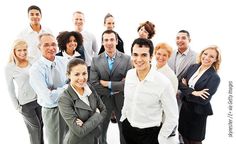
(208, 21)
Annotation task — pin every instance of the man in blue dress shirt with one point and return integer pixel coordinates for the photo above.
(48, 79)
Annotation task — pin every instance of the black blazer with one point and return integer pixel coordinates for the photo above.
(119, 46)
(209, 80)
(80, 50)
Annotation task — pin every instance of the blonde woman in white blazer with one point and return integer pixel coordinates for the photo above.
(162, 53)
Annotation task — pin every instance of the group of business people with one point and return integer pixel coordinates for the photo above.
(54, 91)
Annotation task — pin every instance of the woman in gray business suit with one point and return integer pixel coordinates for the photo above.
(80, 106)
(198, 85)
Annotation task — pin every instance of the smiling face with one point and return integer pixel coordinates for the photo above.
(71, 45)
(34, 17)
(20, 52)
(141, 58)
(78, 76)
(78, 20)
(48, 47)
(109, 23)
(182, 41)
(162, 57)
(143, 33)
(208, 57)
(109, 42)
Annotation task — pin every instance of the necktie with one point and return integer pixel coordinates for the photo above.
(56, 79)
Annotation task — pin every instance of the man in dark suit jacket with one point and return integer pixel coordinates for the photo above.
(107, 75)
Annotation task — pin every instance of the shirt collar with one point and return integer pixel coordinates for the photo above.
(163, 67)
(47, 62)
(185, 52)
(87, 91)
(68, 56)
(106, 55)
(149, 76)
(30, 30)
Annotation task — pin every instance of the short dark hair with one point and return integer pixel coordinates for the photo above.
(185, 31)
(74, 62)
(109, 32)
(63, 39)
(143, 42)
(34, 7)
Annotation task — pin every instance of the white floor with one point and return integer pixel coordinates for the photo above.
(14, 131)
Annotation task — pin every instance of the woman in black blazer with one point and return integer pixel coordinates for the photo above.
(109, 23)
(70, 45)
(198, 85)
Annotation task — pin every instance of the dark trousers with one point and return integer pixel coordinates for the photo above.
(110, 106)
(33, 119)
(135, 135)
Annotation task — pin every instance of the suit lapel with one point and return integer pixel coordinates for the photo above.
(117, 61)
(184, 63)
(78, 102)
(92, 101)
(205, 75)
(104, 63)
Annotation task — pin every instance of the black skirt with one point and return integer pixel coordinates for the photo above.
(192, 126)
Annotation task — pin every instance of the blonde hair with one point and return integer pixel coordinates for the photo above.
(164, 46)
(216, 64)
(17, 43)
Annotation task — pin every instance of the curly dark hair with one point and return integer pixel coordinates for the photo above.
(63, 39)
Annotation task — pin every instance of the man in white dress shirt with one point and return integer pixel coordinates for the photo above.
(89, 40)
(32, 31)
(147, 93)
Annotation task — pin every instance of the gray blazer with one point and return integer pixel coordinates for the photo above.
(100, 71)
(72, 107)
(187, 61)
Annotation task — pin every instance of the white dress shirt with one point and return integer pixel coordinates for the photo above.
(145, 100)
(195, 77)
(69, 57)
(84, 97)
(90, 46)
(32, 39)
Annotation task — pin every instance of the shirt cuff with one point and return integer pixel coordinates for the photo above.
(109, 84)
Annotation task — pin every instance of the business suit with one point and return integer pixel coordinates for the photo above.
(100, 71)
(194, 111)
(119, 46)
(188, 60)
(72, 107)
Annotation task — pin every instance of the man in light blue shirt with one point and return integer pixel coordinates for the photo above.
(107, 75)
(47, 90)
